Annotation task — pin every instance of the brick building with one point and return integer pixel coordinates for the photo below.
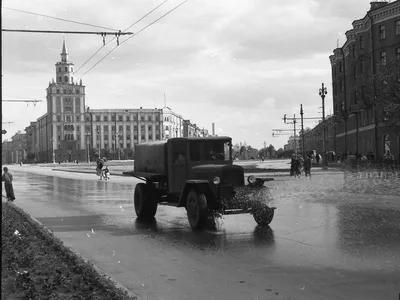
(360, 124)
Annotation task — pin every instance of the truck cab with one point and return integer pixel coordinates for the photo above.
(195, 173)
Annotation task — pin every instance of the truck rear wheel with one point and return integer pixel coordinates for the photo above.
(145, 202)
(196, 206)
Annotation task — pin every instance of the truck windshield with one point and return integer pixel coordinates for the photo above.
(209, 150)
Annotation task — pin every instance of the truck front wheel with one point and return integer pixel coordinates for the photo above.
(196, 206)
(145, 202)
(262, 213)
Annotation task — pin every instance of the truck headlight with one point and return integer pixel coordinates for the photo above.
(251, 179)
(216, 180)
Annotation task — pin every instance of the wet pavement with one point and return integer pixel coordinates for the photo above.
(336, 236)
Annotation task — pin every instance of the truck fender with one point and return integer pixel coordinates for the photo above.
(201, 186)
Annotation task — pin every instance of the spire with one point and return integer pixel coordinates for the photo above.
(64, 53)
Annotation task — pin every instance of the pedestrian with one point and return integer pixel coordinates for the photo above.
(99, 168)
(317, 158)
(307, 166)
(106, 173)
(8, 178)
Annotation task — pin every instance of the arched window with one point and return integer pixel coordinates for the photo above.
(69, 91)
(166, 128)
(65, 137)
(64, 91)
(77, 91)
(59, 69)
(58, 91)
(66, 79)
(72, 79)
(72, 69)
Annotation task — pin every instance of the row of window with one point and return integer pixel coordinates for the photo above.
(382, 59)
(106, 139)
(69, 91)
(143, 117)
(128, 128)
(65, 69)
(59, 79)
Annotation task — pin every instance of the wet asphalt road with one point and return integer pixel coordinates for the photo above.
(333, 237)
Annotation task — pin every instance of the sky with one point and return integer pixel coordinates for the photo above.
(242, 65)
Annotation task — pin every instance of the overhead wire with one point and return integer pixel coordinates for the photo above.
(135, 34)
(60, 19)
(98, 50)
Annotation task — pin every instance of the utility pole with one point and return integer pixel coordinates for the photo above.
(294, 130)
(322, 92)
(302, 131)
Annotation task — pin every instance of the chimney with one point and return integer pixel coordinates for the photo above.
(213, 129)
(378, 4)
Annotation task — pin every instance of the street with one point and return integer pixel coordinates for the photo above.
(333, 237)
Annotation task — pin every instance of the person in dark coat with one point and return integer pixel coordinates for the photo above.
(7, 178)
(307, 166)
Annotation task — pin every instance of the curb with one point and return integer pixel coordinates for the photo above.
(48, 234)
(90, 172)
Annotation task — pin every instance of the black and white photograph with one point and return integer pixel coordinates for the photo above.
(198, 149)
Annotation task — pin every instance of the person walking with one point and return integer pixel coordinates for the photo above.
(7, 178)
(307, 166)
(99, 168)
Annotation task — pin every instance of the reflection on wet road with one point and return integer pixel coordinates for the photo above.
(327, 222)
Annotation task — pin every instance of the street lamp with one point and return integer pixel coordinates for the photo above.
(88, 135)
(322, 92)
(119, 150)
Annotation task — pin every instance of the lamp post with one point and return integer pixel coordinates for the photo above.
(88, 134)
(119, 151)
(302, 131)
(99, 139)
(322, 92)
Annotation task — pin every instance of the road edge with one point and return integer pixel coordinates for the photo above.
(48, 234)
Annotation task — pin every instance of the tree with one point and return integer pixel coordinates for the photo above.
(279, 153)
(386, 83)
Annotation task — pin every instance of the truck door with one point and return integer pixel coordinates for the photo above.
(178, 165)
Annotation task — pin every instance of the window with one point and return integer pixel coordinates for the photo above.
(106, 128)
(128, 137)
(397, 27)
(78, 128)
(66, 69)
(78, 118)
(105, 118)
(59, 69)
(128, 128)
(340, 66)
(166, 128)
(355, 72)
(58, 118)
(142, 128)
(342, 105)
(150, 137)
(362, 67)
(336, 109)
(354, 51)
(334, 88)
(157, 117)
(58, 91)
(157, 137)
(363, 92)
(112, 128)
(150, 128)
(113, 117)
(97, 118)
(362, 42)
(66, 79)
(382, 32)
(120, 118)
(142, 137)
(59, 79)
(72, 69)
(121, 145)
(77, 91)
(120, 129)
(135, 128)
(398, 53)
(383, 58)
(72, 79)
(142, 118)
(342, 86)
(355, 97)
(128, 118)
(128, 146)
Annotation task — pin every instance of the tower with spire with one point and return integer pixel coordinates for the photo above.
(66, 112)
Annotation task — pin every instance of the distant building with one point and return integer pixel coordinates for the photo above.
(313, 138)
(360, 124)
(292, 144)
(173, 123)
(14, 151)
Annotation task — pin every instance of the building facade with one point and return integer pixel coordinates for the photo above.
(313, 138)
(173, 123)
(360, 124)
